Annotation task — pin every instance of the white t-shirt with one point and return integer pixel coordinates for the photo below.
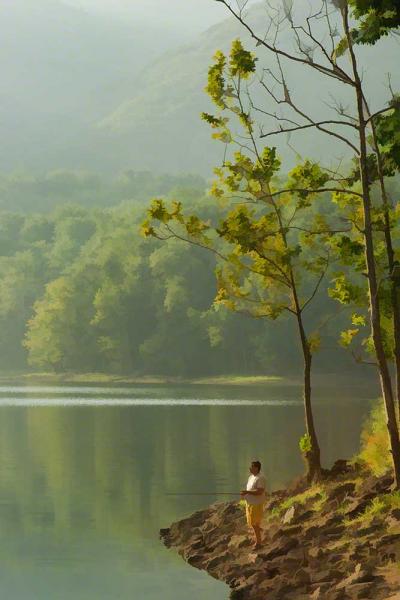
(256, 482)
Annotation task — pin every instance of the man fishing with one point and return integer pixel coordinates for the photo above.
(255, 496)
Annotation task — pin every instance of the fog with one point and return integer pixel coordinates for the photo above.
(193, 15)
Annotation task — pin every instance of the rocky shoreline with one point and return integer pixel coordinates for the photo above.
(337, 540)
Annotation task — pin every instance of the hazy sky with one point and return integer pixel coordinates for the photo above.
(196, 14)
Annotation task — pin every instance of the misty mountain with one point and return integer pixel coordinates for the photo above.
(62, 69)
(159, 127)
(85, 91)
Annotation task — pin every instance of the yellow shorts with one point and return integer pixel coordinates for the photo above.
(254, 513)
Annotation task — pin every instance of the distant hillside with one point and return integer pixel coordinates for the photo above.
(82, 91)
(159, 126)
(62, 69)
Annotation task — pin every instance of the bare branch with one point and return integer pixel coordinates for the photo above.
(316, 288)
(317, 191)
(334, 73)
(287, 99)
(359, 360)
(316, 124)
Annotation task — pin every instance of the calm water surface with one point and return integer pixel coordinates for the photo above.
(86, 473)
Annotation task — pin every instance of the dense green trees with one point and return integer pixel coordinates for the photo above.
(81, 290)
(26, 192)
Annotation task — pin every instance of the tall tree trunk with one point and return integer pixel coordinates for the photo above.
(312, 456)
(375, 312)
(391, 259)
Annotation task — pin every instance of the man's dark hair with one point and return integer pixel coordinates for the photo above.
(257, 464)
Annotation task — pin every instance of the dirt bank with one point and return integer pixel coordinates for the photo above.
(334, 541)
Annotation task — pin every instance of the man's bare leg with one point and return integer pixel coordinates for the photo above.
(257, 533)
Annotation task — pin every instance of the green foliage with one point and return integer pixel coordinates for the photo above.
(305, 444)
(376, 18)
(358, 320)
(341, 48)
(375, 451)
(216, 81)
(241, 62)
(346, 292)
(347, 337)
(388, 134)
(306, 177)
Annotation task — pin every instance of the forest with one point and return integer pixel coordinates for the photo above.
(82, 290)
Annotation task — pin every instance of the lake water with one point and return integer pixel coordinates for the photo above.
(87, 476)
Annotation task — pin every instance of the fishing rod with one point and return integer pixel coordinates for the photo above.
(202, 493)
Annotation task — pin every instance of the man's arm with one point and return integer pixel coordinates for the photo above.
(256, 492)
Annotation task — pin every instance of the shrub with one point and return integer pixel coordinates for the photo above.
(375, 450)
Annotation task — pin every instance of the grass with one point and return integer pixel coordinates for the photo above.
(315, 491)
(341, 510)
(379, 506)
(319, 503)
(242, 504)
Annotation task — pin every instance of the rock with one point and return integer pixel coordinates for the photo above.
(359, 575)
(316, 552)
(359, 505)
(289, 515)
(305, 516)
(195, 559)
(339, 467)
(362, 591)
(395, 514)
(238, 594)
(340, 492)
(312, 532)
(389, 539)
(165, 536)
(302, 576)
(334, 594)
(323, 575)
(285, 531)
(367, 530)
(374, 484)
(232, 509)
(239, 541)
(271, 572)
(333, 520)
(280, 549)
(215, 561)
(385, 483)
(333, 530)
(316, 594)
